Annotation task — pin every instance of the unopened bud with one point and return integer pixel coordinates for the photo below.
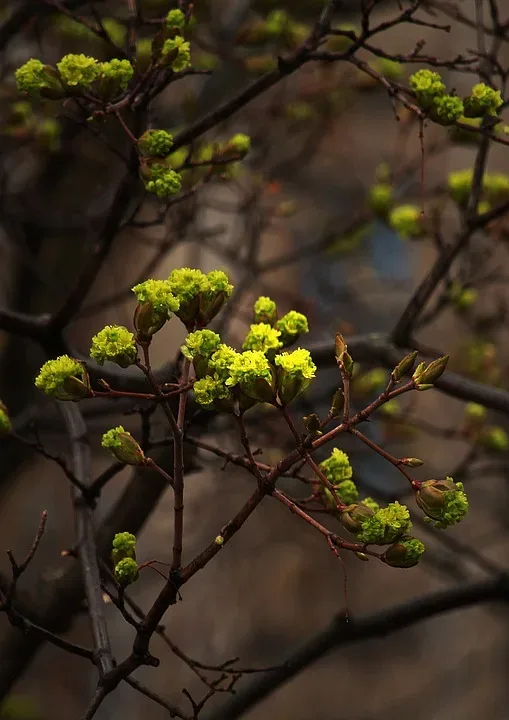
(434, 370)
(312, 423)
(353, 516)
(405, 553)
(123, 446)
(412, 462)
(219, 540)
(337, 404)
(361, 556)
(404, 367)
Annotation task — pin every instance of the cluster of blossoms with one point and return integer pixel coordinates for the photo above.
(446, 109)
(278, 26)
(74, 74)
(123, 556)
(495, 188)
(162, 171)
(443, 502)
(263, 372)
(193, 296)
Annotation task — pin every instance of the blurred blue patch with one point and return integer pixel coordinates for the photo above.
(390, 254)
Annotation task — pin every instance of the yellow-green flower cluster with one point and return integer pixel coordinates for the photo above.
(262, 336)
(252, 373)
(116, 344)
(446, 109)
(475, 412)
(459, 184)
(265, 310)
(123, 446)
(156, 302)
(428, 87)
(386, 525)
(494, 438)
(431, 95)
(291, 326)
(295, 371)
(177, 53)
(240, 143)
(443, 501)
(276, 23)
(337, 467)
(462, 298)
(64, 379)
(406, 220)
(126, 572)
(338, 471)
(5, 421)
(175, 19)
(155, 143)
(33, 76)
(124, 545)
(381, 198)
(201, 296)
(201, 343)
(117, 72)
(163, 181)
(208, 391)
(483, 100)
(159, 293)
(405, 553)
(78, 71)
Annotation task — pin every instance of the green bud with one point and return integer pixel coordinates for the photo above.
(444, 501)
(219, 540)
(405, 366)
(361, 556)
(126, 572)
(412, 462)
(431, 373)
(338, 401)
(425, 386)
(312, 423)
(405, 553)
(123, 446)
(124, 546)
(475, 413)
(494, 438)
(354, 515)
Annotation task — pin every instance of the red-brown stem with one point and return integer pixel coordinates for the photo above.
(152, 464)
(330, 487)
(393, 460)
(332, 537)
(346, 395)
(247, 447)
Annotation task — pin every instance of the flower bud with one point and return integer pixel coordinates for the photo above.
(124, 546)
(353, 516)
(64, 379)
(404, 367)
(444, 501)
(265, 311)
(123, 446)
(312, 423)
(126, 572)
(338, 401)
(412, 462)
(429, 374)
(405, 553)
(219, 540)
(494, 438)
(148, 321)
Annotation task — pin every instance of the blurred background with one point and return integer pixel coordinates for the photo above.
(293, 222)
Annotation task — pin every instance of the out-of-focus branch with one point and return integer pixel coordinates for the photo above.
(340, 633)
(375, 348)
(87, 549)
